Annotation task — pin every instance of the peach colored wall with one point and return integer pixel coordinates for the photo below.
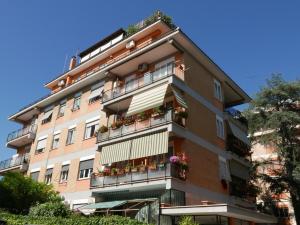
(144, 41)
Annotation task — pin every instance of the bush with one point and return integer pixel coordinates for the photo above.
(187, 220)
(50, 209)
(18, 193)
(73, 220)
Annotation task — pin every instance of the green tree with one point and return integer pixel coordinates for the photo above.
(187, 220)
(18, 193)
(276, 110)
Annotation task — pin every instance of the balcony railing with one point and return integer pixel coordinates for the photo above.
(21, 132)
(160, 173)
(137, 125)
(13, 162)
(148, 78)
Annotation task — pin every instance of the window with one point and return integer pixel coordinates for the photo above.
(220, 127)
(35, 175)
(41, 145)
(218, 90)
(96, 91)
(76, 103)
(55, 141)
(47, 116)
(130, 83)
(71, 136)
(62, 108)
(64, 173)
(90, 129)
(85, 169)
(224, 171)
(48, 176)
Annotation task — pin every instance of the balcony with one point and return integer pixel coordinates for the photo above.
(134, 175)
(21, 137)
(139, 123)
(238, 147)
(137, 83)
(15, 163)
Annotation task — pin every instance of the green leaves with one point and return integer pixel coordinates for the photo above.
(274, 119)
(18, 193)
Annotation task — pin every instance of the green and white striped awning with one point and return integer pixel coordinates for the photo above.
(179, 97)
(115, 152)
(149, 145)
(153, 144)
(147, 100)
(104, 205)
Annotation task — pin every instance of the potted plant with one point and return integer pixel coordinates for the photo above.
(106, 171)
(142, 116)
(142, 168)
(117, 124)
(114, 171)
(103, 129)
(181, 116)
(127, 168)
(134, 169)
(158, 111)
(129, 120)
(153, 166)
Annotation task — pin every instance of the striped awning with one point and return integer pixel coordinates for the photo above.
(115, 152)
(149, 145)
(147, 100)
(238, 133)
(179, 97)
(104, 205)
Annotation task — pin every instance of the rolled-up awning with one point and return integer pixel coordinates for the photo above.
(238, 133)
(238, 170)
(115, 152)
(179, 97)
(147, 100)
(149, 145)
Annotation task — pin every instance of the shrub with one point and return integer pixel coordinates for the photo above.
(73, 220)
(50, 209)
(18, 193)
(187, 220)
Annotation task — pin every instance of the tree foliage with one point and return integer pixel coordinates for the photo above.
(18, 193)
(50, 209)
(275, 112)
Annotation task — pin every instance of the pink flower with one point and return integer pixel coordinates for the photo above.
(174, 159)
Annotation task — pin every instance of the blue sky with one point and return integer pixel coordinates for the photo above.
(248, 39)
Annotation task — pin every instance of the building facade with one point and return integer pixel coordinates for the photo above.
(139, 126)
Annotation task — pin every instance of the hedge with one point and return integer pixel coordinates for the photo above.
(13, 219)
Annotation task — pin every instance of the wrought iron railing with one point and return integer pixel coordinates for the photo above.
(138, 125)
(21, 132)
(134, 84)
(13, 162)
(165, 171)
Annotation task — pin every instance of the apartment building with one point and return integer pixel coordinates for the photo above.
(140, 126)
(282, 206)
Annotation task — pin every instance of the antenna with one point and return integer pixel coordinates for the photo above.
(64, 68)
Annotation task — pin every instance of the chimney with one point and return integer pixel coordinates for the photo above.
(72, 63)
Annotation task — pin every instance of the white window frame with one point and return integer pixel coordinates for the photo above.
(40, 149)
(62, 109)
(218, 90)
(76, 102)
(220, 127)
(48, 178)
(85, 173)
(64, 175)
(72, 140)
(55, 137)
(89, 127)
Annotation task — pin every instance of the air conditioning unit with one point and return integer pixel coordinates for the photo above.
(143, 67)
(130, 44)
(61, 83)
